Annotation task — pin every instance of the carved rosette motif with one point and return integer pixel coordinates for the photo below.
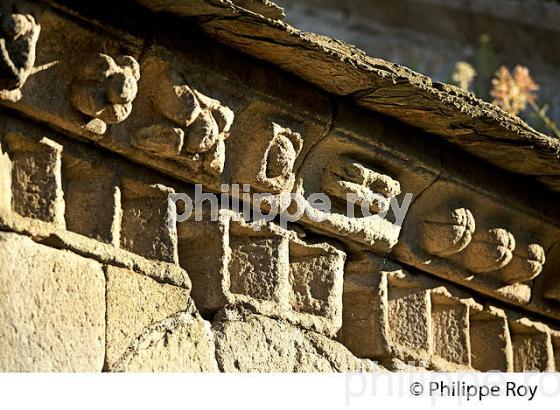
(448, 233)
(490, 250)
(18, 38)
(104, 90)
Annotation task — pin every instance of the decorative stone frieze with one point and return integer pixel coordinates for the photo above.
(270, 158)
(418, 244)
(479, 240)
(489, 251)
(347, 180)
(355, 168)
(71, 197)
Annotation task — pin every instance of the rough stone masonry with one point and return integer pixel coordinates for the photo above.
(109, 107)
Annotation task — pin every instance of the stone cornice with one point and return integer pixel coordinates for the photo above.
(338, 68)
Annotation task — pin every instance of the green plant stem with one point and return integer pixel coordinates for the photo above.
(546, 119)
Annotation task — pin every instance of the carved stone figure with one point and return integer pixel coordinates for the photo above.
(276, 170)
(105, 88)
(192, 123)
(18, 37)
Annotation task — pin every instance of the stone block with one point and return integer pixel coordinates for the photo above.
(386, 311)
(248, 342)
(258, 264)
(555, 335)
(365, 327)
(181, 343)
(144, 227)
(234, 262)
(450, 329)
(532, 346)
(5, 177)
(316, 283)
(93, 199)
(52, 309)
(409, 314)
(36, 179)
(491, 347)
(203, 252)
(134, 303)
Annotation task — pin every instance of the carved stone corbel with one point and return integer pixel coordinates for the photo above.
(492, 251)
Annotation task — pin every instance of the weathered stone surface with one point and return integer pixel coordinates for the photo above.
(92, 199)
(174, 120)
(532, 346)
(36, 177)
(265, 8)
(249, 342)
(397, 365)
(450, 330)
(490, 341)
(134, 303)
(145, 229)
(390, 313)
(409, 318)
(181, 343)
(316, 282)
(104, 88)
(479, 240)
(52, 309)
(365, 317)
(270, 154)
(69, 197)
(555, 335)
(203, 113)
(366, 158)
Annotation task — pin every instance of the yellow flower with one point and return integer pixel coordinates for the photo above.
(513, 92)
(525, 83)
(463, 75)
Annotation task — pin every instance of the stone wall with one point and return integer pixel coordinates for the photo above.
(102, 123)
